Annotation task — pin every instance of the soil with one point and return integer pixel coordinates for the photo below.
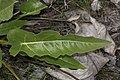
(25, 68)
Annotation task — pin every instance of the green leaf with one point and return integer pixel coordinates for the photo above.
(6, 9)
(64, 62)
(34, 78)
(3, 42)
(6, 27)
(51, 43)
(0, 58)
(32, 7)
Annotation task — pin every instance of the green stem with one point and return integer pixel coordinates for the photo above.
(21, 16)
(14, 74)
(3, 42)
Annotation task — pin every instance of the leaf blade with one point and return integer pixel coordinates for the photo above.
(32, 7)
(6, 27)
(60, 45)
(6, 9)
(63, 61)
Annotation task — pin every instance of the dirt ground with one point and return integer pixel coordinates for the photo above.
(109, 15)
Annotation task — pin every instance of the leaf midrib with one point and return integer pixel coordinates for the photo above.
(42, 42)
